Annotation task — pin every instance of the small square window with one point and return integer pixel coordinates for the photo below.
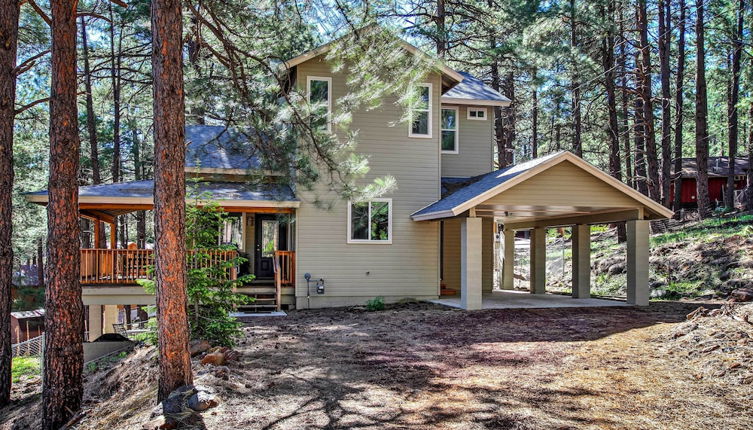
(478, 114)
(370, 221)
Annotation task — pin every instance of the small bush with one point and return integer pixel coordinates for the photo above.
(375, 304)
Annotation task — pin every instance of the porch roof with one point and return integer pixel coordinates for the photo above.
(487, 193)
(124, 197)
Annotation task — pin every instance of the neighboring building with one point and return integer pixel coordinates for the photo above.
(718, 168)
(436, 228)
(25, 325)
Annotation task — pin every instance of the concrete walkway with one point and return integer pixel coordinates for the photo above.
(526, 300)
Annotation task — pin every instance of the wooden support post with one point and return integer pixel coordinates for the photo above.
(581, 261)
(113, 245)
(508, 262)
(538, 260)
(97, 233)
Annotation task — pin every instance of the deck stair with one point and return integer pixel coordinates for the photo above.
(265, 298)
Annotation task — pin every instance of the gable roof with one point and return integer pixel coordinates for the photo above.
(323, 49)
(473, 91)
(218, 147)
(491, 184)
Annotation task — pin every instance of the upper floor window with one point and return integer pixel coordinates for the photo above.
(477, 113)
(420, 113)
(370, 221)
(450, 130)
(319, 91)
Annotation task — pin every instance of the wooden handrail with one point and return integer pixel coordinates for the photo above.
(126, 266)
(284, 269)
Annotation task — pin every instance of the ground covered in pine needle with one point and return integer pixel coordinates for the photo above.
(425, 366)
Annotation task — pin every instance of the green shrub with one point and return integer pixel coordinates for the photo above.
(211, 295)
(375, 304)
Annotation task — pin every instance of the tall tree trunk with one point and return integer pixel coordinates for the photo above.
(649, 138)
(641, 181)
(679, 87)
(509, 120)
(138, 175)
(64, 317)
(625, 100)
(737, 46)
(9, 13)
(535, 116)
(613, 129)
(665, 30)
(701, 119)
(499, 130)
(115, 79)
(440, 21)
(40, 263)
(91, 120)
(91, 124)
(749, 184)
(169, 198)
(575, 86)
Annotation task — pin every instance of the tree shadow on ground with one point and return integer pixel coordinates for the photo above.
(423, 366)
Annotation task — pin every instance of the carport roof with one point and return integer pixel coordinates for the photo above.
(486, 186)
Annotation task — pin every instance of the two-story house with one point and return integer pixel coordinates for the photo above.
(435, 230)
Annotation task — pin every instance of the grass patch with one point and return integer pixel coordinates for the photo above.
(24, 366)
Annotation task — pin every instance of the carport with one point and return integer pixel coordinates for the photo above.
(557, 190)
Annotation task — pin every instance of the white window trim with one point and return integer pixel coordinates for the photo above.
(477, 110)
(456, 130)
(428, 109)
(369, 241)
(329, 95)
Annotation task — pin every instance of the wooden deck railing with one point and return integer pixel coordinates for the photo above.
(125, 266)
(284, 267)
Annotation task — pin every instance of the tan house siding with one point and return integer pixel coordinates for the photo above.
(562, 185)
(353, 273)
(451, 254)
(475, 156)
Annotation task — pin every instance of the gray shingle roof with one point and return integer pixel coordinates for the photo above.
(718, 166)
(480, 185)
(218, 147)
(217, 190)
(474, 89)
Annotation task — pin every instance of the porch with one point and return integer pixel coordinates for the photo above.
(259, 228)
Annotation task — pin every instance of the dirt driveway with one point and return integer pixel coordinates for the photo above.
(425, 366)
(429, 367)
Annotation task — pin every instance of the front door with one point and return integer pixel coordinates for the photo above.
(267, 242)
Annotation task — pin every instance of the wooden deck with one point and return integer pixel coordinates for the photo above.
(125, 267)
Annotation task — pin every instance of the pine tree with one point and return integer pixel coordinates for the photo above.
(170, 196)
(62, 388)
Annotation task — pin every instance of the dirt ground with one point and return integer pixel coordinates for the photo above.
(425, 366)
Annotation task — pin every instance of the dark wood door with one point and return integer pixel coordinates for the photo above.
(270, 237)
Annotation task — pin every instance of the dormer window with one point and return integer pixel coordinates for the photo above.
(319, 91)
(478, 114)
(420, 113)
